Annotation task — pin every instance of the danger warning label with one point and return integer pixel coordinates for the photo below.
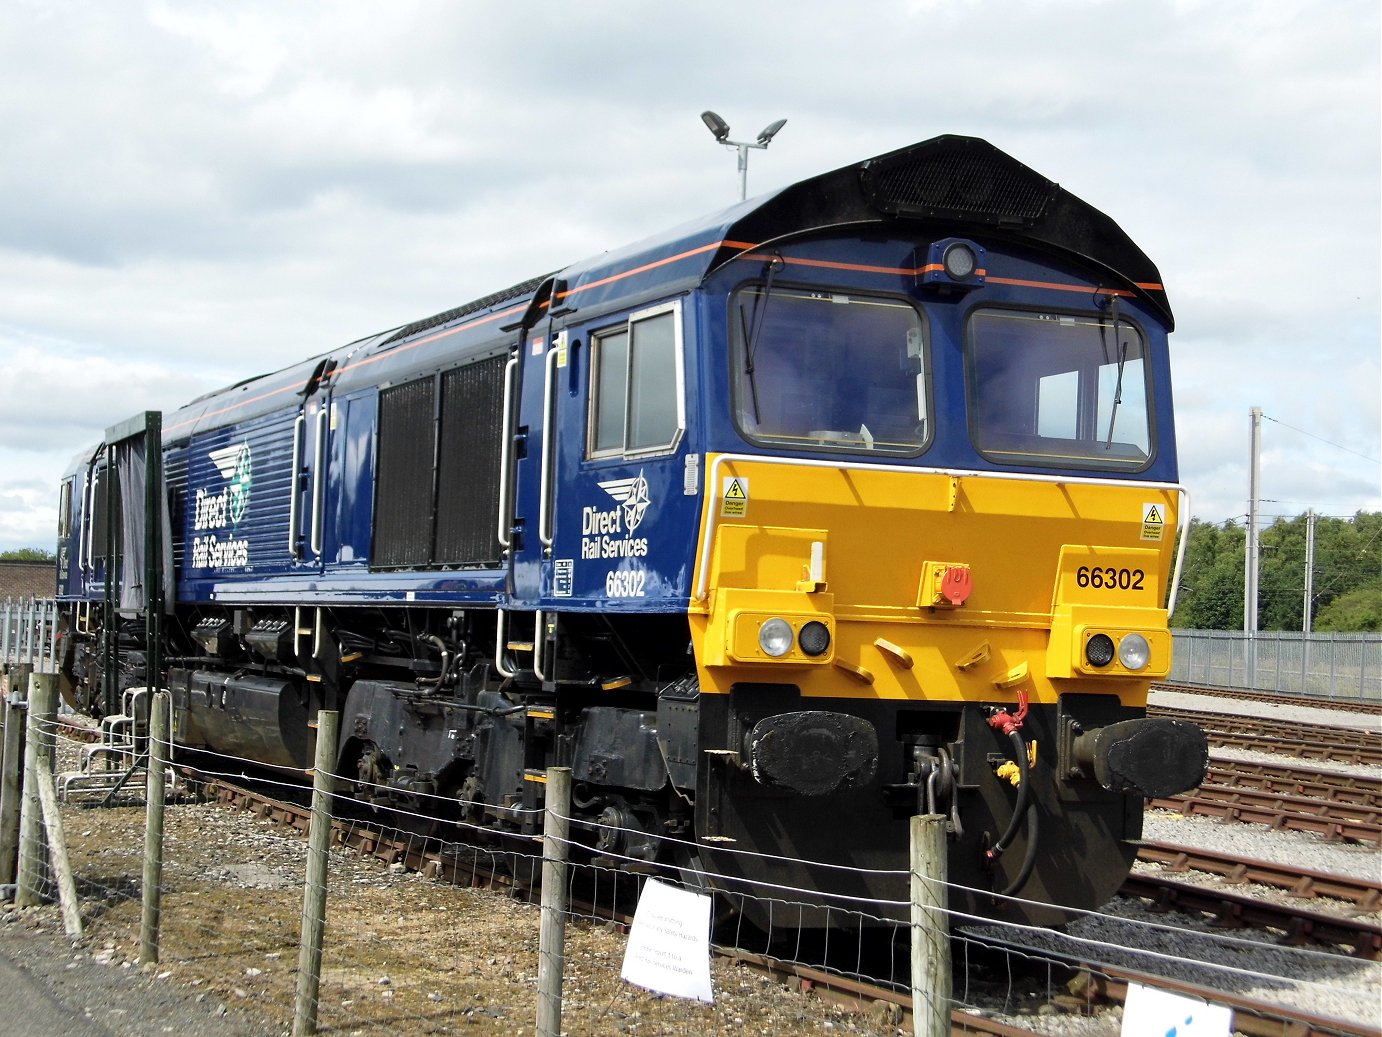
(734, 501)
(1153, 521)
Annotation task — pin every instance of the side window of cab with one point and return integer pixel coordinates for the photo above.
(637, 391)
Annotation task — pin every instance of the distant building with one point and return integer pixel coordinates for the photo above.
(27, 579)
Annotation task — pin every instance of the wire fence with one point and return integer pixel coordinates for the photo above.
(1335, 666)
(444, 933)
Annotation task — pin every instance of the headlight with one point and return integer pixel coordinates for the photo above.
(814, 638)
(959, 261)
(775, 638)
(1134, 651)
(1098, 650)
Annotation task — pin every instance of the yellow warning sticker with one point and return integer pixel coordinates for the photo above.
(1153, 521)
(734, 501)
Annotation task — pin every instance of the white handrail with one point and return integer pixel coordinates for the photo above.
(539, 639)
(506, 453)
(294, 517)
(319, 482)
(500, 648)
(89, 515)
(544, 506)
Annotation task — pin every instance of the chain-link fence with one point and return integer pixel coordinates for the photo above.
(1337, 666)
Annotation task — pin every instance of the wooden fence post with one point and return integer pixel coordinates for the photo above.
(314, 892)
(155, 792)
(57, 844)
(931, 978)
(11, 785)
(33, 857)
(551, 951)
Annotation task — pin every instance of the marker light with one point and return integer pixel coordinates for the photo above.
(1098, 650)
(814, 638)
(959, 260)
(1134, 651)
(951, 265)
(775, 638)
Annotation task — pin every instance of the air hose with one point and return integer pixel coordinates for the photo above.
(1029, 858)
(1023, 795)
(1024, 809)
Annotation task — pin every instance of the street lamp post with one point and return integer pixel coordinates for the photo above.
(720, 129)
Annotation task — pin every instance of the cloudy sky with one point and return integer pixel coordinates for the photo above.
(195, 192)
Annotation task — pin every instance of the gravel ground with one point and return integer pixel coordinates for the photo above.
(1303, 850)
(403, 954)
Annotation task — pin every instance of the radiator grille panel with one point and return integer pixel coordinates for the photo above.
(468, 464)
(403, 492)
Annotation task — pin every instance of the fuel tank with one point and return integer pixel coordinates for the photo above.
(263, 719)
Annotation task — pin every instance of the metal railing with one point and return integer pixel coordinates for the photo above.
(1335, 666)
(28, 633)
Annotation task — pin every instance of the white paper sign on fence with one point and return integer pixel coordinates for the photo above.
(1159, 1013)
(669, 943)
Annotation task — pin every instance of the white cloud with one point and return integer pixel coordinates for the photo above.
(195, 192)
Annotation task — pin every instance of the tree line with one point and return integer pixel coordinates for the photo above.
(1346, 595)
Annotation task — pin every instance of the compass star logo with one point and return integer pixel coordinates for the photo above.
(234, 464)
(632, 494)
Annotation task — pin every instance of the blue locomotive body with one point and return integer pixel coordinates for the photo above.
(828, 470)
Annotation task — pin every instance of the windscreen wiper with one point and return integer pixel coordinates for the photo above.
(1122, 348)
(760, 307)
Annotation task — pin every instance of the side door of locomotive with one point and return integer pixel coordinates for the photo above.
(618, 521)
(307, 510)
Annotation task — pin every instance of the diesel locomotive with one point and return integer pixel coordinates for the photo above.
(850, 502)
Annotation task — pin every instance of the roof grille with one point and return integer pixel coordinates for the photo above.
(518, 291)
(957, 178)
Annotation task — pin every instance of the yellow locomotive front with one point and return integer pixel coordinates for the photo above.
(933, 577)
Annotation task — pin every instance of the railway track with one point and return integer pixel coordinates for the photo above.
(1310, 741)
(1335, 786)
(1364, 894)
(1251, 1018)
(1225, 909)
(1362, 824)
(1276, 698)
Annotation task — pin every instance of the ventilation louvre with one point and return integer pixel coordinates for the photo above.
(957, 179)
(403, 499)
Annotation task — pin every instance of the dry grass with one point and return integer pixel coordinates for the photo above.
(403, 955)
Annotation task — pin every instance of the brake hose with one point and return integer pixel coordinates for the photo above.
(1023, 794)
(1029, 858)
(1024, 809)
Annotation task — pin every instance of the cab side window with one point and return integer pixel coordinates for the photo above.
(636, 394)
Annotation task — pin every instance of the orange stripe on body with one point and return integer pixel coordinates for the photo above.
(747, 253)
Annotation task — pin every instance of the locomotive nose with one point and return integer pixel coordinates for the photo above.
(1151, 756)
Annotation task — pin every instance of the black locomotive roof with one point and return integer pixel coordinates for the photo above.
(952, 182)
